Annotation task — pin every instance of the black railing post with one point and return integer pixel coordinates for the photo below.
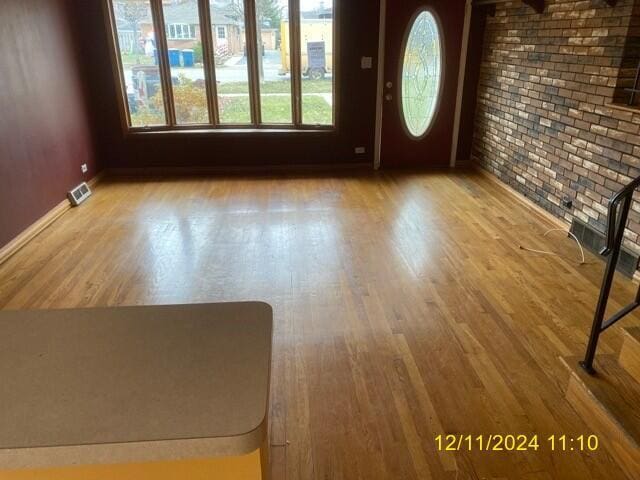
(598, 318)
(613, 248)
(636, 84)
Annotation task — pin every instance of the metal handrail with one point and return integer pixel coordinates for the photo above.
(616, 225)
(614, 201)
(635, 89)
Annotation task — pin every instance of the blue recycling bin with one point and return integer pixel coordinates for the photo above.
(188, 58)
(174, 57)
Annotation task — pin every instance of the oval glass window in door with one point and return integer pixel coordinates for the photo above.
(421, 74)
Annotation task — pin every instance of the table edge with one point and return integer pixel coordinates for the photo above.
(133, 452)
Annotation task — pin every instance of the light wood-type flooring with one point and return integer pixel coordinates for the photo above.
(404, 309)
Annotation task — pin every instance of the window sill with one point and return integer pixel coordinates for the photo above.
(624, 108)
(213, 132)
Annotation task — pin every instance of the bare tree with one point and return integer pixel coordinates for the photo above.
(133, 13)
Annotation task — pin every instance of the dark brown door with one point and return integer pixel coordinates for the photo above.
(422, 58)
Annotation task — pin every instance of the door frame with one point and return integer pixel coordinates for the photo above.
(382, 34)
(382, 44)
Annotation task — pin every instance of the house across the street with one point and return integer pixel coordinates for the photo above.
(183, 28)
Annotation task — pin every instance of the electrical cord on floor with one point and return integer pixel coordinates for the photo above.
(582, 262)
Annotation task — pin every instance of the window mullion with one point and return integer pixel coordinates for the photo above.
(163, 60)
(208, 58)
(335, 60)
(295, 58)
(116, 58)
(253, 58)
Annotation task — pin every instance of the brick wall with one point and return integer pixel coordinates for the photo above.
(544, 124)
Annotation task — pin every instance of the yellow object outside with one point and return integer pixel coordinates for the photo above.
(247, 467)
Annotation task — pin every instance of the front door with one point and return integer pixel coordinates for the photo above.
(422, 58)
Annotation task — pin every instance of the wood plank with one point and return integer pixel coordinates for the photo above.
(630, 352)
(389, 291)
(37, 227)
(609, 401)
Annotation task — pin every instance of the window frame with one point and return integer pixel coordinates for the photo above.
(214, 127)
(441, 81)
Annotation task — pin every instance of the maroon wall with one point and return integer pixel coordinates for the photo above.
(45, 135)
(472, 77)
(356, 110)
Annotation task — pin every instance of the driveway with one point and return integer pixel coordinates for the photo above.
(234, 70)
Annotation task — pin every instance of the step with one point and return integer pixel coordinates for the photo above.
(609, 403)
(630, 352)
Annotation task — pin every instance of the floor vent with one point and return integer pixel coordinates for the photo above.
(79, 194)
(593, 240)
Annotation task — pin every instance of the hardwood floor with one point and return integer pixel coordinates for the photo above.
(403, 309)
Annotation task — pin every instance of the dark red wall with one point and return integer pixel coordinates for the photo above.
(356, 104)
(45, 133)
(471, 79)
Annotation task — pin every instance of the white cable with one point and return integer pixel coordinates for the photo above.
(582, 262)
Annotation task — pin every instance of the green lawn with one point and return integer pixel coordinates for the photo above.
(282, 86)
(276, 110)
(133, 59)
(234, 109)
(316, 111)
(317, 86)
(190, 101)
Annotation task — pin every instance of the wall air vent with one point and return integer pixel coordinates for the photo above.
(79, 194)
(594, 241)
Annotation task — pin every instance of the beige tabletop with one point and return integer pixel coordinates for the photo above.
(133, 384)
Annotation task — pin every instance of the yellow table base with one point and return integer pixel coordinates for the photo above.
(247, 467)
